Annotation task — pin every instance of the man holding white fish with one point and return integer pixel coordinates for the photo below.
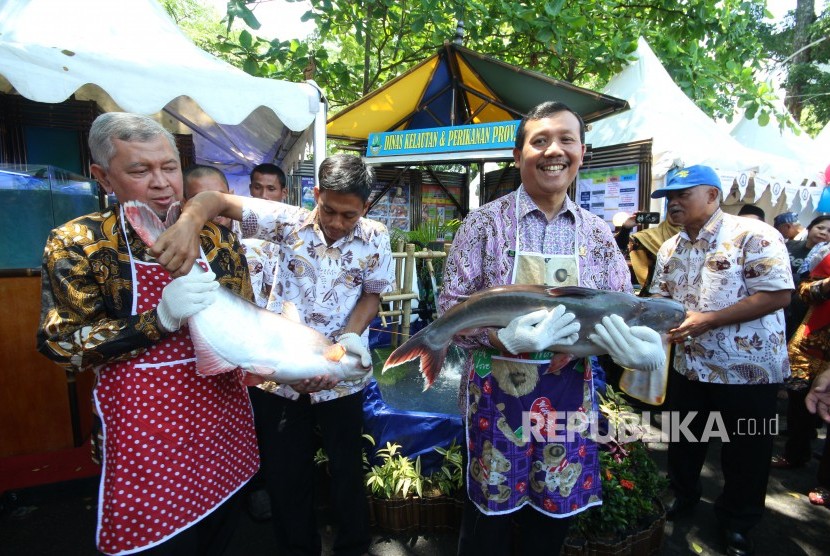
(334, 264)
(536, 235)
(177, 446)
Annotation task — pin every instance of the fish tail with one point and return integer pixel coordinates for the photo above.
(144, 221)
(417, 347)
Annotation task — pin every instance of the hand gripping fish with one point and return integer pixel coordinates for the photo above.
(233, 332)
(497, 306)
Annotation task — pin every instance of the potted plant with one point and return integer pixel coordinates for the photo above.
(393, 486)
(442, 502)
(631, 518)
(403, 500)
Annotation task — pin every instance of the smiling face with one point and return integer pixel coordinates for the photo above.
(692, 207)
(550, 158)
(338, 213)
(143, 171)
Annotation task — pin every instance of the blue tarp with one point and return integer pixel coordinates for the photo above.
(418, 433)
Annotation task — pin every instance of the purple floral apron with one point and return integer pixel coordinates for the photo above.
(527, 427)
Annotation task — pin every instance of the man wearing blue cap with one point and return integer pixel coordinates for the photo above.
(733, 277)
(787, 223)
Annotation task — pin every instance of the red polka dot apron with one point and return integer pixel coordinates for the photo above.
(176, 444)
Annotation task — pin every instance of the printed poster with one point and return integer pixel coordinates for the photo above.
(607, 191)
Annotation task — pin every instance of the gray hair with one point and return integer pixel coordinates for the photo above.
(123, 126)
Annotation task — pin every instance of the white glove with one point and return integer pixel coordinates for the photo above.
(539, 330)
(354, 344)
(184, 297)
(636, 347)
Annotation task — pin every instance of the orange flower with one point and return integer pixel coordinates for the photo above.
(626, 484)
(608, 475)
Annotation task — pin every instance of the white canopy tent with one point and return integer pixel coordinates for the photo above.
(682, 134)
(128, 55)
(771, 139)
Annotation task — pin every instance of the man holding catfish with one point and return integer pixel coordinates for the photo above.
(176, 445)
(535, 236)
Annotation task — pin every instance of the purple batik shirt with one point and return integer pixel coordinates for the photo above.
(484, 248)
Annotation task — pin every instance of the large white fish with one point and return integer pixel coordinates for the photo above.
(233, 332)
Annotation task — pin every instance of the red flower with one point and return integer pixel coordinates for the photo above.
(550, 505)
(588, 482)
(483, 423)
(626, 484)
(521, 486)
(529, 451)
(487, 388)
(581, 451)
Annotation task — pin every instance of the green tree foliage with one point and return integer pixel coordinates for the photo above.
(711, 48)
(801, 47)
(200, 23)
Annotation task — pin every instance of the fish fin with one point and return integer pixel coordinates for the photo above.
(208, 362)
(558, 362)
(417, 347)
(144, 221)
(334, 352)
(173, 214)
(573, 291)
(266, 373)
(289, 311)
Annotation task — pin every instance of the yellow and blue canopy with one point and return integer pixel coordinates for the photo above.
(457, 86)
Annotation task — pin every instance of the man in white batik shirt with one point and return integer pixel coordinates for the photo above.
(733, 276)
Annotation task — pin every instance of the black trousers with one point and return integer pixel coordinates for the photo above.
(747, 413)
(493, 535)
(210, 537)
(287, 447)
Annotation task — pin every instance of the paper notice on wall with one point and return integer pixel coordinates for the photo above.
(607, 191)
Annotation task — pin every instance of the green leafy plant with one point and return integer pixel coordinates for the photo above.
(449, 479)
(397, 476)
(631, 481)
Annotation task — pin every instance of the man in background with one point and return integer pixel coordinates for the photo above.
(751, 211)
(262, 256)
(268, 182)
(787, 223)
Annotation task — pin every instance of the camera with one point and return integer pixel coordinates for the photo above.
(647, 218)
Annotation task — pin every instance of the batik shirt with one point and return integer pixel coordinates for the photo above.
(263, 258)
(485, 247)
(732, 258)
(324, 282)
(87, 296)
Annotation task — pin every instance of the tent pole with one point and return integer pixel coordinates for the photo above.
(320, 152)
